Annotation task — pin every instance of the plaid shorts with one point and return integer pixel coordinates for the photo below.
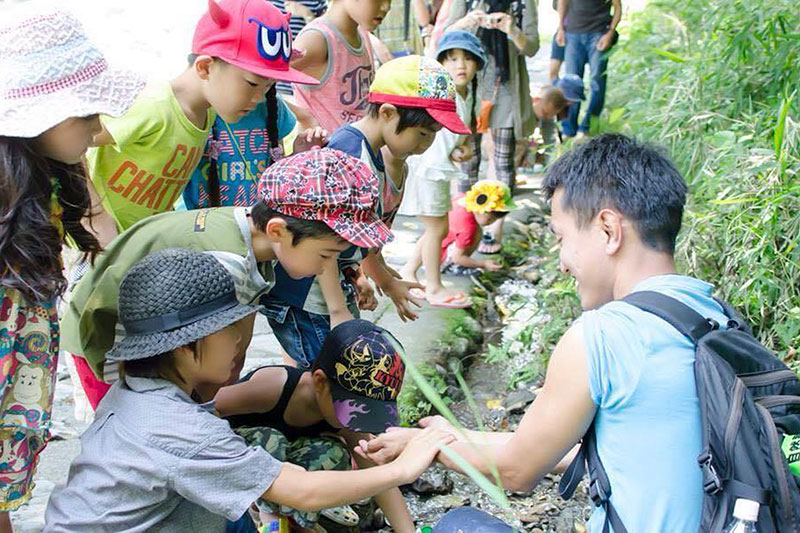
(312, 453)
(504, 146)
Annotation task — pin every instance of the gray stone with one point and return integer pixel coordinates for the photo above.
(433, 481)
(449, 501)
(518, 400)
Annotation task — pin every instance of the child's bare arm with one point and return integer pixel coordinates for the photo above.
(315, 60)
(333, 294)
(460, 257)
(304, 118)
(396, 289)
(312, 491)
(101, 224)
(391, 501)
(259, 394)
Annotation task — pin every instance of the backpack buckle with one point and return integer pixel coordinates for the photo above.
(596, 493)
(711, 481)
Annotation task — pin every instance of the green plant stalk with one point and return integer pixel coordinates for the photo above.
(494, 491)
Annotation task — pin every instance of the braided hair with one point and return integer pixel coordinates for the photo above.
(271, 100)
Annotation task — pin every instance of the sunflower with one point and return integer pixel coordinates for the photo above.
(486, 196)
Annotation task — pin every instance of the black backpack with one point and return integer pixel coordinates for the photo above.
(748, 401)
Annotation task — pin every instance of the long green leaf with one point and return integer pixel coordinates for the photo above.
(495, 492)
(669, 55)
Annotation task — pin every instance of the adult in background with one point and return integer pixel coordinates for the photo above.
(588, 30)
(508, 31)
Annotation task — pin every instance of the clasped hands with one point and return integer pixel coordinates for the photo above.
(387, 446)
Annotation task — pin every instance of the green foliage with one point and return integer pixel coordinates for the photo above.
(717, 83)
(412, 403)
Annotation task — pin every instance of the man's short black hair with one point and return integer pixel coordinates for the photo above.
(410, 117)
(635, 178)
(300, 228)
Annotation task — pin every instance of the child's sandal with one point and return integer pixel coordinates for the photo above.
(344, 515)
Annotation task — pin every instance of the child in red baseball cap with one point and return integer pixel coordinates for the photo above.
(145, 158)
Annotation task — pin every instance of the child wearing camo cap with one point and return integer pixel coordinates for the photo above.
(350, 392)
(156, 458)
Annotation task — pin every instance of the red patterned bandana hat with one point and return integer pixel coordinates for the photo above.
(329, 186)
(419, 82)
(364, 364)
(251, 34)
(49, 72)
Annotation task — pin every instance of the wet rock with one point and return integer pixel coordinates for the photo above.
(455, 366)
(433, 481)
(518, 400)
(568, 522)
(455, 393)
(450, 501)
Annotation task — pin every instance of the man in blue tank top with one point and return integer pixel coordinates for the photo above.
(616, 212)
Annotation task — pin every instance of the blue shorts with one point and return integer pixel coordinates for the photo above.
(299, 332)
(556, 51)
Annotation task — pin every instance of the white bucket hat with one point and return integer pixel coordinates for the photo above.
(51, 72)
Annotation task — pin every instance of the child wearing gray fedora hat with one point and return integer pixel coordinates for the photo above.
(156, 459)
(53, 86)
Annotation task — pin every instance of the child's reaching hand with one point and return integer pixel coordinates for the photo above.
(420, 452)
(309, 138)
(462, 153)
(492, 266)
(400, 293)
(366, 294)
(387, 446)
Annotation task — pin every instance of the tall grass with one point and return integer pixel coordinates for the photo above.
(717, 83)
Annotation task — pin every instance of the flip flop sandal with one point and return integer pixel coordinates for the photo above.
(456, 301)
(488, 245)
(344, 515)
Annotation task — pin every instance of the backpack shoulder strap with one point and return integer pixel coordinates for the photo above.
(682, 317)
(599, 485)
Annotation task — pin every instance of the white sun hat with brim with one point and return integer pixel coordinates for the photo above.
(49, 72)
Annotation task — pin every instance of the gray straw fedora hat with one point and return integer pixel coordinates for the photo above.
(172, 298)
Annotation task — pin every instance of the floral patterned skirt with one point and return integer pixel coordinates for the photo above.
(28, 359)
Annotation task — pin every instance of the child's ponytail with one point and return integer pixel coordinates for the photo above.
(473, 121)
(30, 241)
(275, 148)
(213, 190)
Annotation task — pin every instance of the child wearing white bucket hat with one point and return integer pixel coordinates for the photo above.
(54, 84)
